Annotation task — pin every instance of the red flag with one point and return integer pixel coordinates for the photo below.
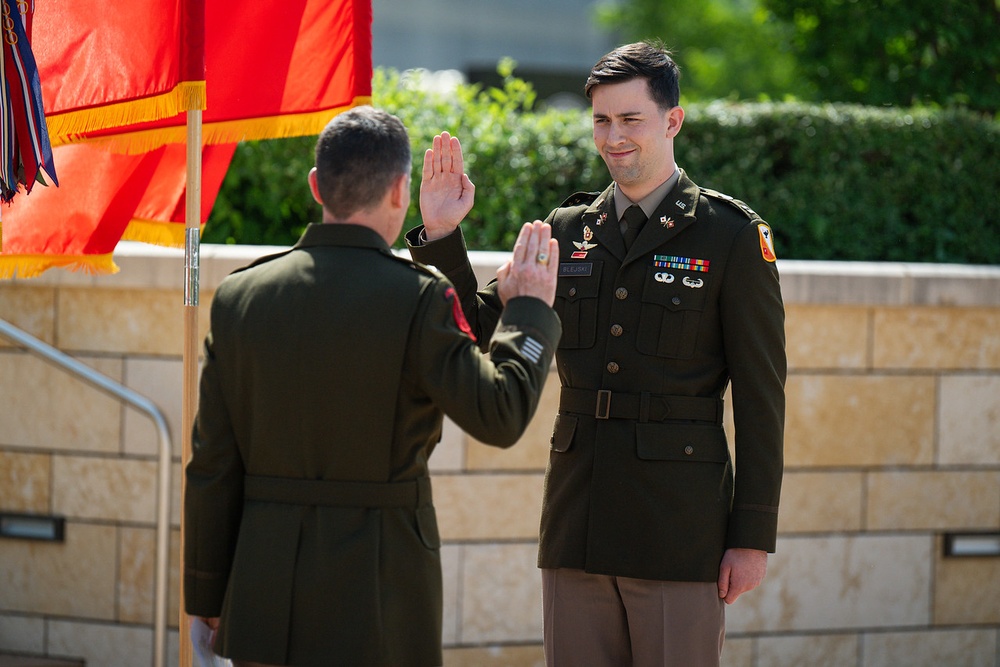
(112, 65)
(272, 69)
(116, 76)
(77, 225)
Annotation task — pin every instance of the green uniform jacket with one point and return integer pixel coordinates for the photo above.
(308, 515)
(640, 482)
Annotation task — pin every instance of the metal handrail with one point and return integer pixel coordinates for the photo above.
(123, 393)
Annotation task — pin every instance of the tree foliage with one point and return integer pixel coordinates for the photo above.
(898, 52)
(873, 52)
(726, 49)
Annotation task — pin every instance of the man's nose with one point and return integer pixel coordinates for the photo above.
(616, 133)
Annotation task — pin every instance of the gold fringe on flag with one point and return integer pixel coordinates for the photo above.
(66, 128)
(30, 266)
(156, 232)
(225, 132)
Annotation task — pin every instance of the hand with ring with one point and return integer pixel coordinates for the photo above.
(529, 271)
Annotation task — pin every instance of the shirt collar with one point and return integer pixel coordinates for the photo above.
(650, 202)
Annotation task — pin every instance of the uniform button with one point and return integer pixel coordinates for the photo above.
(612, 367)
(621, 293)
(572, 291)
(676, 301)
(616, 330)
(689, 450)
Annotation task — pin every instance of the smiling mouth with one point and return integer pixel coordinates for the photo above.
(620, 154)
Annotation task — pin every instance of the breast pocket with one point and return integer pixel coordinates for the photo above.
(672, 305)
(576, 303)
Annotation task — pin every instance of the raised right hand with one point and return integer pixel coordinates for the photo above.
(533, 267)
(446, 193)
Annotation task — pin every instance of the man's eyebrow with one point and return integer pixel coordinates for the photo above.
(599, 114)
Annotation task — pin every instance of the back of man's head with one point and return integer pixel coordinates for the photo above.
(359, 155)
(647, 60)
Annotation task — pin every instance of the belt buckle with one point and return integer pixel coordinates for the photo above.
(603, 404)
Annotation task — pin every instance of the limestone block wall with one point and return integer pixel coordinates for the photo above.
(892, 442)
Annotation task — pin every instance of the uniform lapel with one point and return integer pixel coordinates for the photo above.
(602, 220)
(674, 214)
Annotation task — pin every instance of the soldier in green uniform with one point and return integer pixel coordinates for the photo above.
(667, 294)
(311, 537)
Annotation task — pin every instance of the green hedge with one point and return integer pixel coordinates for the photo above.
(855, 183)
(835, 181)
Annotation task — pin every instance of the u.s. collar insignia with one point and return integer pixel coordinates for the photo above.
(603, 218)
(667, 222)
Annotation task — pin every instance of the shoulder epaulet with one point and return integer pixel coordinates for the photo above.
(578, 198)
(715, 194)
(417, 266)
(263, 260)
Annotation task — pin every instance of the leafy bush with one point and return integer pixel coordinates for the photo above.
(852, 182)
(836, 181)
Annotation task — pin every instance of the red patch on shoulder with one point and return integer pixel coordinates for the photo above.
(456, 312)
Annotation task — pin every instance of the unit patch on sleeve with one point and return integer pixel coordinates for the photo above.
(456, 312)
(766, 242)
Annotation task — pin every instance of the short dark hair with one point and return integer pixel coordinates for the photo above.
(648, 60)
(359, 155)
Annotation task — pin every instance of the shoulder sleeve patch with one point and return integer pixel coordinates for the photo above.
(578, 198)
(766, 242)
(456, 312)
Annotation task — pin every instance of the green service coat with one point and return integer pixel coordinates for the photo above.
(308, 515)
(640, 482)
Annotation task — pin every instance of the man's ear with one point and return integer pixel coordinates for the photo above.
(400, 192)
(314, 186)
(675, 118)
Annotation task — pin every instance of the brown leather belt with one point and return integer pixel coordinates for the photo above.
(415, 493)
(643, 407)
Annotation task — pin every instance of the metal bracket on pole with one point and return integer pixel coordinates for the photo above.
(192, 259)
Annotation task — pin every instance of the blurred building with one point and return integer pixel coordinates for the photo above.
(554, 42)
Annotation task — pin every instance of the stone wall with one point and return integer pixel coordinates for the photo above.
(893, 440)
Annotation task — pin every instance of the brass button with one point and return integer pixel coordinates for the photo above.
(616, 330)
(612, 367)
(689, 450)
(676, 301)
(621, 293)
(572, 291)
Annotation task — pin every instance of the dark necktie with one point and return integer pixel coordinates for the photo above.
(634, 218)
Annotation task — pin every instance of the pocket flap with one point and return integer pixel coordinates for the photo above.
(562, 432)
(681, 442)
(427, 525)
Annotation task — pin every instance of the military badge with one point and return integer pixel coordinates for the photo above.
(766, 243)
(681, 263)
(586, 244)
(667, 222)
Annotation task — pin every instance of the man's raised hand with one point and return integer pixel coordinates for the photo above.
(446, 193)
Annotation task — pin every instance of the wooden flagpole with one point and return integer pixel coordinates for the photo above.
(192, 245)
